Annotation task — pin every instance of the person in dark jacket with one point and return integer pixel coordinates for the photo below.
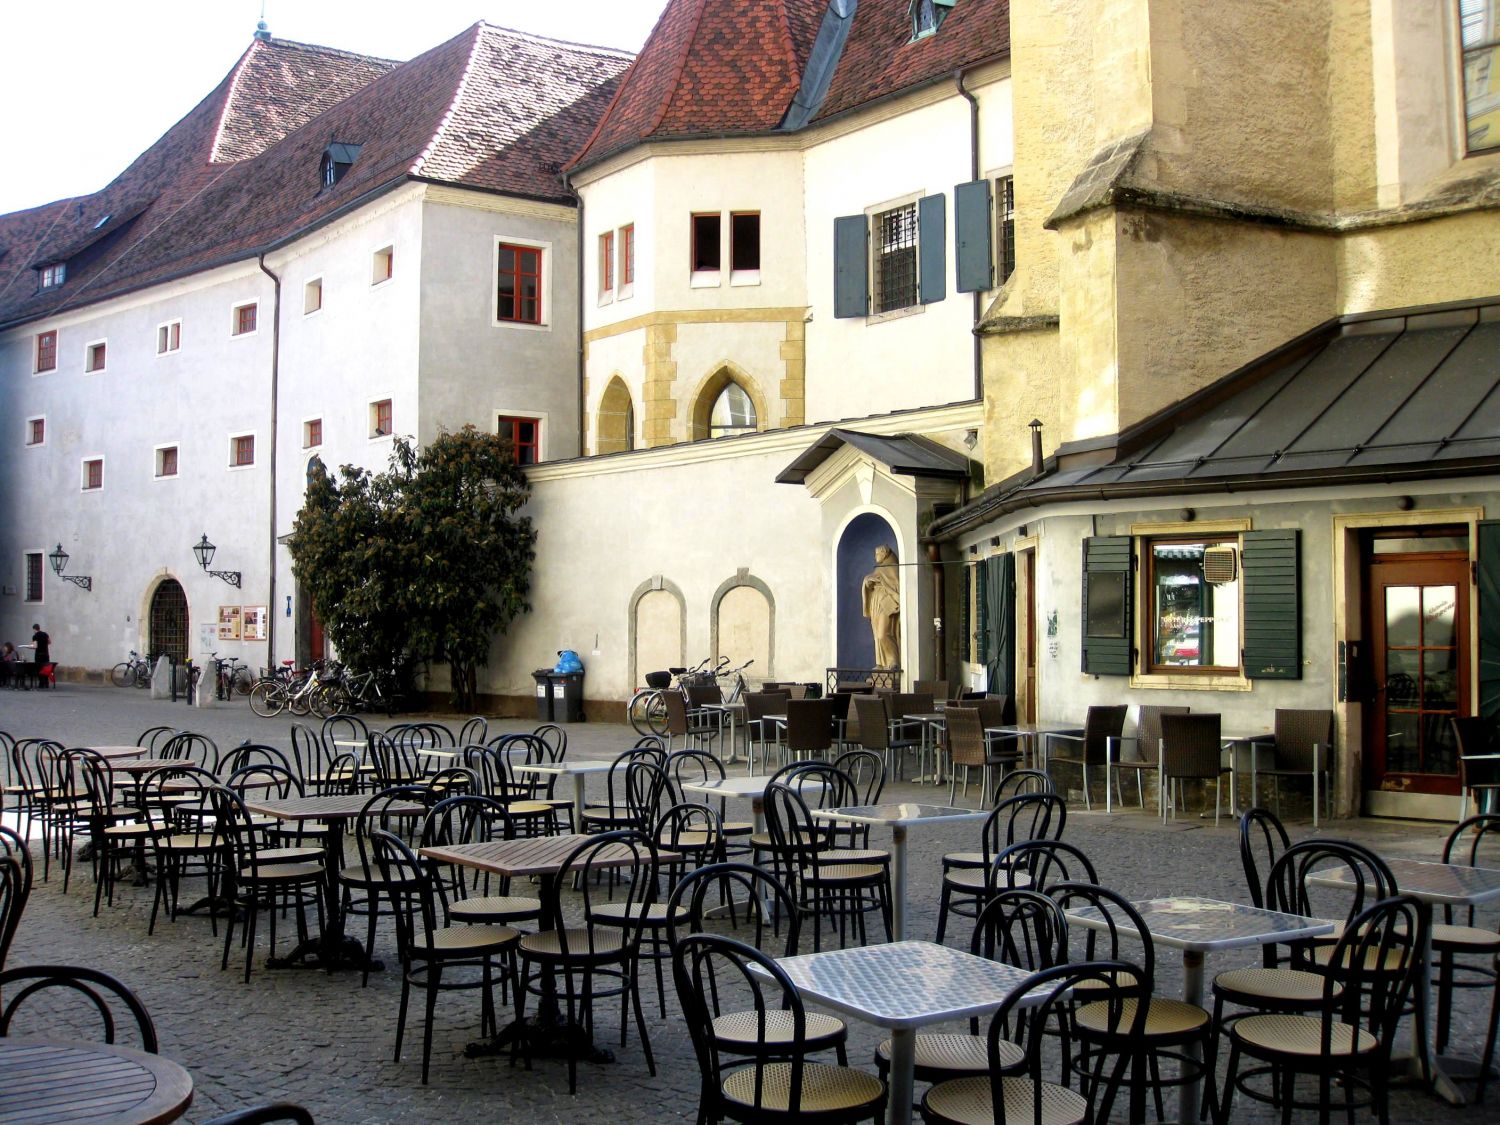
(43, 654)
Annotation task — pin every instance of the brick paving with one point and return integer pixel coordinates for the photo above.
(324, 1041)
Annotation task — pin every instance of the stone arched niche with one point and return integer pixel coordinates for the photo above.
(658, 628)
(743, 625)
(855, 559)
(616, 419)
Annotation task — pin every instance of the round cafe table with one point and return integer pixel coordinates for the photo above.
(43, 1082)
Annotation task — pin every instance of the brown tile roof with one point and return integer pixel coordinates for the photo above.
(733, 66)
(490, 108)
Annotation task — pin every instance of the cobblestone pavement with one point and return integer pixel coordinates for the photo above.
(325, 1042)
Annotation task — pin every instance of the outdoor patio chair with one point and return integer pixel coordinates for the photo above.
(694, 726)
(361, 880)
(1089, 746)
(182, 842)
(68, 987)
(1478, 765)
(938, 689)
(476, 729)
(699, 766)
(154, 737)
(193, 748)
(758, 732)
(272, 1113)
(966, 885)
(1190, 750)
(968, 747)
(474, 819)
(1347, 1036)
(429, 944)
(1303, 748)
(15, 889)
(809, 729)
(880, 732)
(1475, 842)
(1138, 754)
(1017, 782)
(776, 1082)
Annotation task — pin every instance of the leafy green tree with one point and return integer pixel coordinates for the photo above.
(427, 561)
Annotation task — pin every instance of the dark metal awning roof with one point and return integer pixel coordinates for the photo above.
(1382, 397)
(904, 454)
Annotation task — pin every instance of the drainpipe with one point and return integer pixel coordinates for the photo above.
(958, 80)
(275, 399)
(578, 273)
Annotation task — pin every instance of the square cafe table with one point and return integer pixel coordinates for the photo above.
(1433, 884)
(898, 818)
(1199, 926)
(745, 788)
(903, 986)
(578, 771)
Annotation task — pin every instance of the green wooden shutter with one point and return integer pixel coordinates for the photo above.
(982, 611)
(851, 266)
(1273, 604)
(965, 606)
(972, 252)
(1489, 620)
(932, 242)
(1001, 666)
(1108, 621)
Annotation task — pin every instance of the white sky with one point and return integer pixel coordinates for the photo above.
(87, 85)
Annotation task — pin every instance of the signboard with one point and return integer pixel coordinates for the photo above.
(229, 623)
(255, 621)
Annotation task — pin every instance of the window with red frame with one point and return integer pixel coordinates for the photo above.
(242, 450)
(606, 263)
(36, 431)
(244, 319)
(46, 351)
(525, 435)
(93, 473)
(380, 418)
(94, 357)
(518, 284)
(312, 433)
(166, 461)
(706, 250)
(627, 254)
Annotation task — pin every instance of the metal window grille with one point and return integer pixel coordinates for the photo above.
(33, 576)
(896, 258)
(1005, 228)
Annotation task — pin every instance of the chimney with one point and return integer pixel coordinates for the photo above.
(1036, 446)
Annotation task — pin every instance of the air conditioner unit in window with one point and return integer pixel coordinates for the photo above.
(1220, 565)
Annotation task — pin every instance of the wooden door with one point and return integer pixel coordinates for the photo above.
(1418, 618)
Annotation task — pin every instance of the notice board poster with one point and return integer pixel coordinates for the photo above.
(229, 622)
(254, 622)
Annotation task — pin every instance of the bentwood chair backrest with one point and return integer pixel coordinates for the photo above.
(1040, 863)
(110, 999)
(866, 771)
(15, 888)
(555, 739)
(1024, 781)
(1021, 927)
(770, 917)
(153, 737)
(1027, 816)
(1261, 834)
(476, 728)
(1296, 881)
(344, 727)
(189, 746)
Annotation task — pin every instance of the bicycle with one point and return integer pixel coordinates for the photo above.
(135, 672)
(231, 676)
(647, 709)
(271, 694)
(363, 692)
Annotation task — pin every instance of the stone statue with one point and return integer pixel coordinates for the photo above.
(882, 602)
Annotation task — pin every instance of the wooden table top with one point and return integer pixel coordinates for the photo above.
(536, 855)
(143, 765)
(111, 753)
(336, 806)
(44, 1082)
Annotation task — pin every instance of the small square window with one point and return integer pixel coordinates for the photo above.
(33, 576)
(706, 252)
(46, 351)
(606, 263)
(54, 275)
(744, 241)
(166, 461)
(94, 357)
(525, 436)
(312, 296)
(36, 431)
(380, 418)
(627, 256)
(245, 319)
(93, 474)
(383, 265)
(312, 433)
(241, 451)
(168, 337)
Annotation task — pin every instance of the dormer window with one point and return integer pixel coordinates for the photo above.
(54, 275)
(338, 158)
(928, 15)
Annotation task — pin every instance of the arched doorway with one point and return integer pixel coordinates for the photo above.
(856, 558)
(168, 621)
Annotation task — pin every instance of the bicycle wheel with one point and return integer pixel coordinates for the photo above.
(143, 675)
(648, 713)
(267, 698)
(324, 701)
(122, 674)
(242, 681)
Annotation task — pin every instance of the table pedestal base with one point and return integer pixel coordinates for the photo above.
(546, 1036)
(334, 952)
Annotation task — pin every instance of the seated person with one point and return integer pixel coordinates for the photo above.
(10, 660)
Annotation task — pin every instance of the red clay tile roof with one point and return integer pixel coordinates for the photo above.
(733, 66)
(491, 109)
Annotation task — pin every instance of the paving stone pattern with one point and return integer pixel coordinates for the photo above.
(324, 1041)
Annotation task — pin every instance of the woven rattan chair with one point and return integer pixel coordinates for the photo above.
(1478, 765)
(809, 729)
(429, 944)
(881, 731)
(1303, 748)
(1013, 1086)
(1190, 750)
(1139, 754)
(759, 732)
(968, 747)
(938, 689)
(777, 1083)
(1349, 1034)
(1089, 746)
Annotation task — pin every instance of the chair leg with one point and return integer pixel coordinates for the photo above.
(434, 971)
(1489, 1045)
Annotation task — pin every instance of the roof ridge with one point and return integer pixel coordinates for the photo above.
(224, 106)
(595, 48)
(687, 50)
(459, 89)
(334, 51)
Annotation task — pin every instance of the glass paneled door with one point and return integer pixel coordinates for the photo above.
(1419, 619)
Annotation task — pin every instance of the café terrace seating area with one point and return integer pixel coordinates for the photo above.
(886, 907)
